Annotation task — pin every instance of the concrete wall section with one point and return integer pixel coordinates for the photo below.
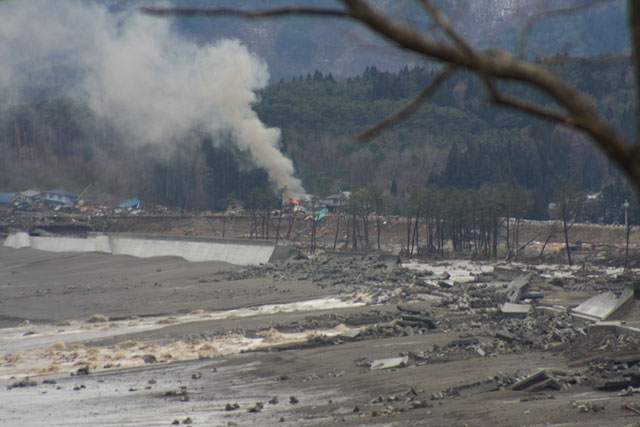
(234, 251)
(62, 244)
(231, 251)
(18, 240)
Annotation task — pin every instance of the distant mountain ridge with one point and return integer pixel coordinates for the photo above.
(299, 45)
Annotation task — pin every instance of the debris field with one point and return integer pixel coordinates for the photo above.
(418, 343)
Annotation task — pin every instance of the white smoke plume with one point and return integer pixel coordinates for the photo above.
(133, 69)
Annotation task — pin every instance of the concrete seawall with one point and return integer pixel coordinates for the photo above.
(233, 251)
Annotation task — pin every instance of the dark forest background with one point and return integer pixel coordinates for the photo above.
(455, 140)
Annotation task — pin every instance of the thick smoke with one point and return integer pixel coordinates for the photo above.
(133, 69)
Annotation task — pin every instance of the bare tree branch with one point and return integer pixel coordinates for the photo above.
(446, 26)
(498, 98)
(408, 109)
(251, 14)
(528, 26)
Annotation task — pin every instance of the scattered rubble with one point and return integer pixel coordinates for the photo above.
(27, 382)
(503, 312)
(537, 382)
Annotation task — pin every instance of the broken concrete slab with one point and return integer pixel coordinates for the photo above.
(603, 306)
(548, 383)
(414, 308)
(442, 276)
(628, 330)
(540, 377)
(616, 383)
(556, 309)
(349, 335)
(505, 274)
(517, 286)
(613, 326)
(533, 295)
(392, 362)
(513, 309)
(606, 326)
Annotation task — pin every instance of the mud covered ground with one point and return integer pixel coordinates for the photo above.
(92, 339)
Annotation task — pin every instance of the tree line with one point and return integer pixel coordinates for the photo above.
(481, 223)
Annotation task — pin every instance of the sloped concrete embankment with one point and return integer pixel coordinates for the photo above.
(240, 252)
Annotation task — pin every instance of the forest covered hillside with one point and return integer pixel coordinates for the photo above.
(457, 139)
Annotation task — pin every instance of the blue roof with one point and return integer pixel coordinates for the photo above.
(130, 203)
(6, 197)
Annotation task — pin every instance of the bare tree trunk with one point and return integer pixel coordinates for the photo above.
(365, 227)
(348, 218)
(508, 243)
(427, 230)
(354, 225)
(278, 227)
(378, 228)
(409, 220)
(495, 238)
(544, 246)
(335, 239)
(516, 237)
(268, 218)
(291, 221)
(566, 241)
(416, 229)
(441, 237)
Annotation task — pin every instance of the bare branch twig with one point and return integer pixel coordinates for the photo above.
(446, 26)
(408, 109)
(498, 98)
(251, 14)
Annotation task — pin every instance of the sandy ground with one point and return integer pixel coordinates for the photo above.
(216, 343)
(51, 287)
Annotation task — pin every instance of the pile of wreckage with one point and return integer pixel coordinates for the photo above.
(501, 312)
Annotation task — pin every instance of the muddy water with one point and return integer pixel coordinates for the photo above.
(50, 349)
